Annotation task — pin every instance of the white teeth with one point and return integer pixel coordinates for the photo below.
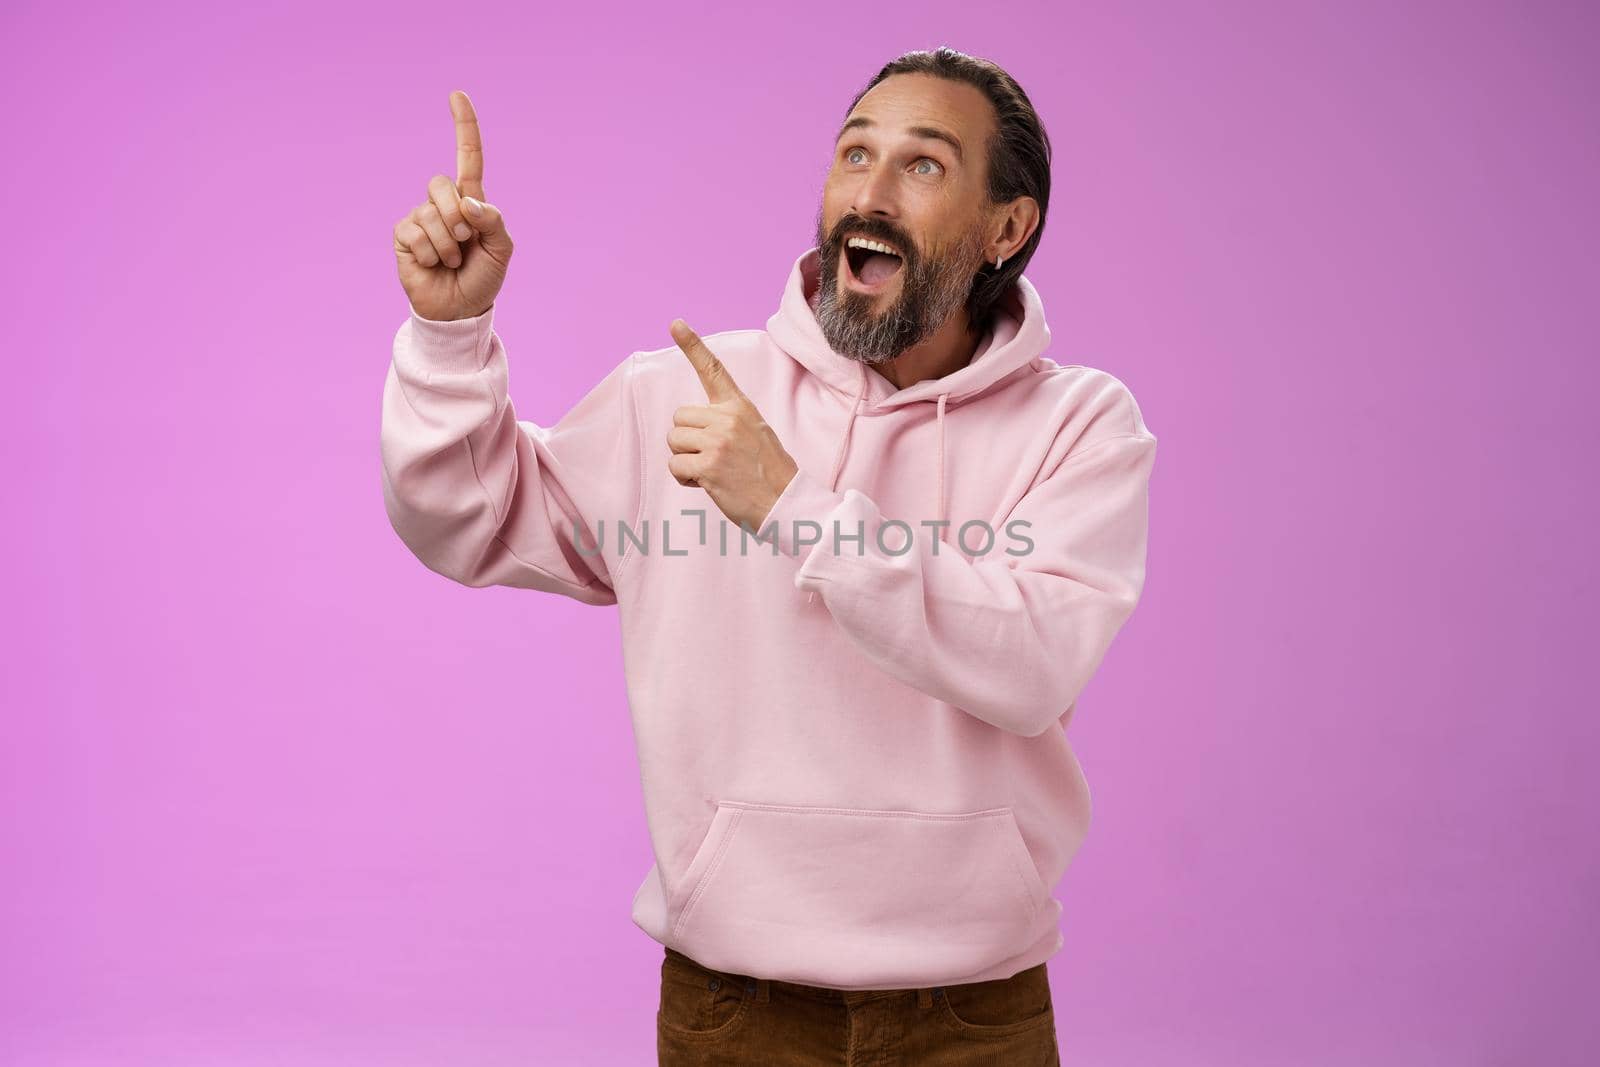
(875, 246)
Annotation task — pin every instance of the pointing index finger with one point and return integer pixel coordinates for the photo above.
(719, 384)
(469, 146)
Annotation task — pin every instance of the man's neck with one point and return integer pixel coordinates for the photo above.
(947, 351)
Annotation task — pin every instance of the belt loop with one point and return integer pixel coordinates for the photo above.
(758, 986)
(924, 997)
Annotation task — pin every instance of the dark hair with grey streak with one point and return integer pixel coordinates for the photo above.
(1019, 155)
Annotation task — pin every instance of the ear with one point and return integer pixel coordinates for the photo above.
(1013, 224)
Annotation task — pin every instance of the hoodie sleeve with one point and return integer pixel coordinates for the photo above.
(484, 499)
(1010, 638)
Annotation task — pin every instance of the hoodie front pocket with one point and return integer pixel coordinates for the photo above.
(885, 897)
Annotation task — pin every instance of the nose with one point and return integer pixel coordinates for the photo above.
(875, 195)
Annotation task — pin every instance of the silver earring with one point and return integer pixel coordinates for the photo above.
(997, 261)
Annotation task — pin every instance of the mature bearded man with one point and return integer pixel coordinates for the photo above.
(859, 799)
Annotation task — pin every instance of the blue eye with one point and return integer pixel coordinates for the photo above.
(850, 155)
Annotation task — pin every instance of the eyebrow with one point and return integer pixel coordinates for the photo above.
(929, 133)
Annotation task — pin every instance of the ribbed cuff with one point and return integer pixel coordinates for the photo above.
(453, 346)
(802, 515)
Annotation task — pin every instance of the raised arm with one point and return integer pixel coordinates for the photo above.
(476, 494)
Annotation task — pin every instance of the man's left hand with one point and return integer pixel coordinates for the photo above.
(724, 446)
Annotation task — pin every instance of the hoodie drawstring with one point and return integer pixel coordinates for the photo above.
(939, 515)
(844, 443)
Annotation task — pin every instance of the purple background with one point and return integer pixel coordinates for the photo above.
(272, 793)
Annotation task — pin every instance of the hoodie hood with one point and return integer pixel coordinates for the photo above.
(1015, 336)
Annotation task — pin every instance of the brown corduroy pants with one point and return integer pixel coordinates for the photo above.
(711, 1018)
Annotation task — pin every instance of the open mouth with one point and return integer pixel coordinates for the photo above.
(870, 269)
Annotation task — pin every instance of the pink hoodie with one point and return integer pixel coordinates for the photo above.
(853, 749)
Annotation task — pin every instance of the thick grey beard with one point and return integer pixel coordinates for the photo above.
(931, 290)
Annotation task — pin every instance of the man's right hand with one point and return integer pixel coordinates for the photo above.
(453, 249)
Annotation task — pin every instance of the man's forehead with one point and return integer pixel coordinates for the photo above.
(923, 106)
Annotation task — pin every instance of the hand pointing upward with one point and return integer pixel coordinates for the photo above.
(469, 146)
(725, 446)
(452, 250)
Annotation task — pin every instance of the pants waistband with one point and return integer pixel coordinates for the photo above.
(762, 987)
